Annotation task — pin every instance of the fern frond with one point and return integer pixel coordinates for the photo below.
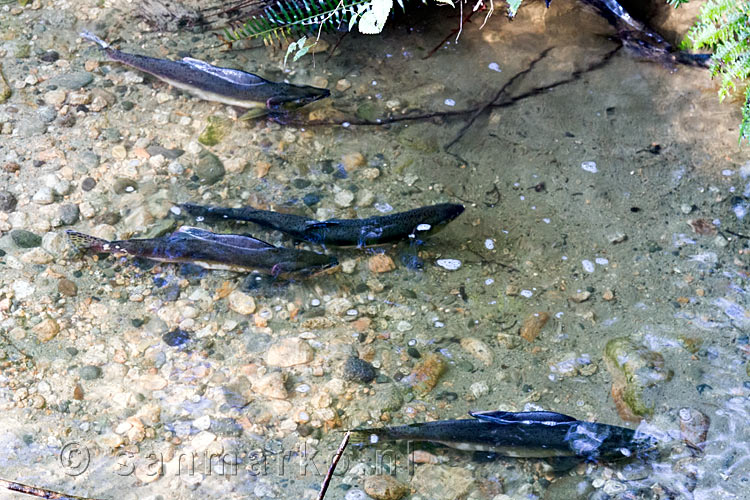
(299, 17)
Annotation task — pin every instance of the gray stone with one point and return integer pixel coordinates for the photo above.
(7, 201)
(44, 196)
(72, 81)
(90, 372)
(124, 185)
(89, 159)
(69, 214)
(31, 126)
(47, 114)
(170, 154)
(209, 168)
(25, 239)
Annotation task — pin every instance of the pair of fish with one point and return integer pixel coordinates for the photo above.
(412, 224)
(209, 250)
(214, 83)
(536, 434)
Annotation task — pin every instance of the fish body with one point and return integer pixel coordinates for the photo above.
(214, 83)
(417, 223)
(209, 250)
(526, 434)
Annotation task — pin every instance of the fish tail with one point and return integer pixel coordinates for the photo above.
(87, 242)
(87, 35)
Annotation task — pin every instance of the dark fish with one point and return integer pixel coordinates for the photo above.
(209, 250)
(214, 83)
(536, 434)
(417, 223)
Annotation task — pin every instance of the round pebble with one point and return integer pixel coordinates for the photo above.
(358, 370)
(589, 166)
(8, 202)
(25, 239)
(588, 266)
(90, 372)
(449, 264)
(176, 338)
(88, 184)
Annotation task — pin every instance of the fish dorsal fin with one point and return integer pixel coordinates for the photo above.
(531, 417)
(233, 240)
(235, 76)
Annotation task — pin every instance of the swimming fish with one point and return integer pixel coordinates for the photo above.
(535, 434)
(209, 250)
(417, 223)
(214, 83)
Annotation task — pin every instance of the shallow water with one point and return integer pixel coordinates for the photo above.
(577, 206)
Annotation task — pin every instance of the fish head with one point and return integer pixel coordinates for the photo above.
(437, 218)
(296, 96)
(609, 442)
(303, 264)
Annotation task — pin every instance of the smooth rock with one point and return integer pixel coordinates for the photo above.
(25, 239)
(69, 214)
(90, 372)
(440, 482)
(241, 303)
(72, 81)
(46, 330)
(380, 263)
(31, 126)
(478, 349)
(270, 385)
(533, 324)
(67, 287)
(209, 169)
(343, 198)
(384, 487)
(289, 352)
(44, 196)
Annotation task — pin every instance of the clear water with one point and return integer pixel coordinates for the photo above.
(585, 189)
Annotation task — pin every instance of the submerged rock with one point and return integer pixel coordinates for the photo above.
(217, 128)
(358, 370)
(633, 368)
(209, 169)
(440, 482)
(385, 487)
(426, 374)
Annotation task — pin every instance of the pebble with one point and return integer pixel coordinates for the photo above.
(67, 287)
(241, 303)
(55, 98)
(270, 385)
(358, 370)
(589, 166)
(46, 330)
(479, 389)
(478, 349)
(8, 201)
(694, 426)
(31, 126)
(343, 85)
(352, 161)
(44, 196)
(426, 373)
(72, 81)
(119, 152)
(384, 487)
(176, 338)
(580, 296)
(343, 198)
(47, 114)
(449, 264)
(22, 289)
(90, 372)
(533, 325)
(25, 239)
(289, 352)
(209, 168)
(69, 214)
(36, 256)
(380, 263)
(588, 266)
(440, 482)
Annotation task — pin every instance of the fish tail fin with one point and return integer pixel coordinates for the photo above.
(87, 35)
(87, 242)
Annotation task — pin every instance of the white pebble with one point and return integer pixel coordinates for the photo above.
(546, 220)
(303, 389)
(727, 172)
(202, 423)
(526, 293)
(438, 324)
(383, 207)
(601, 261)
(489, 244)
(588, 266)
(589, 166)
(315, 302)
(449, 264)
(424, 227)
(494, 67)
(450, 102)
(489, 281)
